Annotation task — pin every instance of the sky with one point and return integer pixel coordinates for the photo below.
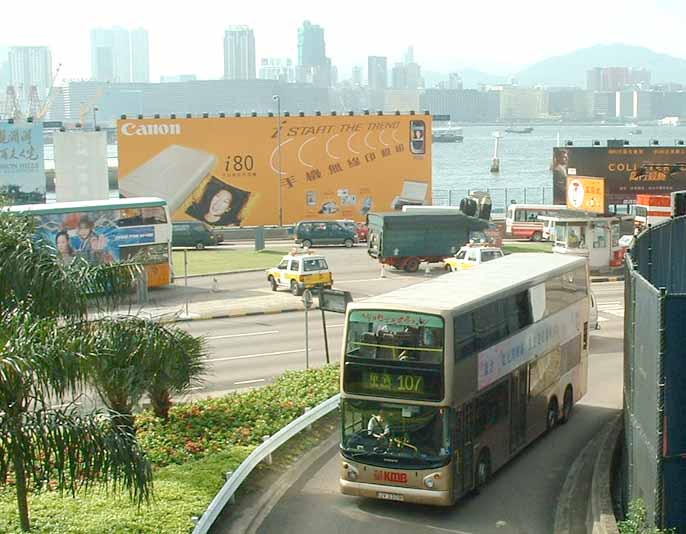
(498, 36)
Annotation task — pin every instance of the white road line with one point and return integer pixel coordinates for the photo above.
(261, 355)
(264, 333)
(335, 325)
(249, 381)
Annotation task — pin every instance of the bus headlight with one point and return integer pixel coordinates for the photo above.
(430, 481)
(350, 471)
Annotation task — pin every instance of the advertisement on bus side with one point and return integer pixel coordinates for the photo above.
(244, 171)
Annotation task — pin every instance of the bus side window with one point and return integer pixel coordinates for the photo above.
(464, 338)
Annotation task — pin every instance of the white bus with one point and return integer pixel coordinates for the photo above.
(443, 382)
(521, 220)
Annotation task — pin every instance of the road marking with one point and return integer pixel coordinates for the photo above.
(264, 333)
(249, 381)
(335, 325)
(261, 355)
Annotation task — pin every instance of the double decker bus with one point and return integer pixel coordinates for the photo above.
(521, 220)
(106, 231)
(445, 381)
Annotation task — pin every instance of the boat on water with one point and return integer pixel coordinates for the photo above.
(449, 134)
(525, 130)
(636, 131)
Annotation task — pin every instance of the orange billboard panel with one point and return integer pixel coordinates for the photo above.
(586, 193)
(248, 171)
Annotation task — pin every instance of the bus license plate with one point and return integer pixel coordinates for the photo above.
(390, 496)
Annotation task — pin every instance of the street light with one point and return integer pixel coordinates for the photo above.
(95, 124)
(277, 99)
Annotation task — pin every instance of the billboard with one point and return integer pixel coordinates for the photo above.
(22, 173)
(81, 166)
(247, 171)
(586, 194)
(628, 171)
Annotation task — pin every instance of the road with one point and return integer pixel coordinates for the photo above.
(521, 498)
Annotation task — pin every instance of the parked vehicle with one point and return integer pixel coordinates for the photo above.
(522, 220)
(403, 240)
(471, 256)
(194, 234)
(314, 233)
(298, 272)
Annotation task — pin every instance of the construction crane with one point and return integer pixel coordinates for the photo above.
(12, 107)
(48, 99)
(87, 107)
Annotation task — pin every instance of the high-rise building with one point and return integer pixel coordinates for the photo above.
(616, 78)
(140, 62)
(454, 80)
(239, 53)
(313, 65)
(275, 68)
(357, 75)
(111, 55)
(406, 76)
(30, 66)
(377, 72)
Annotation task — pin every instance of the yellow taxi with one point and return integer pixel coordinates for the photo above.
(471, 256)
(297, 272)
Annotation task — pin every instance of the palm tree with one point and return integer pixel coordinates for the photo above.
(44, 354)
(181, 359)
(135, 356)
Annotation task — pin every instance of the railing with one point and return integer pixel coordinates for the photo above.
(500, 197)
(261, 453)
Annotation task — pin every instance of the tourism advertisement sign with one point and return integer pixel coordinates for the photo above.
(22, 173)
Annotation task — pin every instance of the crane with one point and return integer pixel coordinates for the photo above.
(86, 107)
(48, 99)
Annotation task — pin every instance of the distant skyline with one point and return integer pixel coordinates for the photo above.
(498, 37)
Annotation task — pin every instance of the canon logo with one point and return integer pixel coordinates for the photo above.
(129, 128)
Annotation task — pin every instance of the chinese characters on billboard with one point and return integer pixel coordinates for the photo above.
(586, 194)
(22, 174)
(628, 171)
(244, 171)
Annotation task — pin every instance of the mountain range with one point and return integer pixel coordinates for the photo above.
(570, 69)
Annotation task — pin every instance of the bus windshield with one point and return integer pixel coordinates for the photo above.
(395, 335)
(404, 436)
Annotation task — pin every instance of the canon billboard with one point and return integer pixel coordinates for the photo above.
(628, 171)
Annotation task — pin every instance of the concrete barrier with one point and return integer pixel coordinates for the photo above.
(603, 519)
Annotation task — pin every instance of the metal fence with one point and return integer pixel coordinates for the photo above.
(654, 460)
(500, 197)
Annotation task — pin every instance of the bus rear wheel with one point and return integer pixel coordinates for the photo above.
(567, 405)
(537, 236)
(552, 415)
(483, 469)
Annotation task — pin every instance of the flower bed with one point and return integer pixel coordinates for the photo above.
(191, 453)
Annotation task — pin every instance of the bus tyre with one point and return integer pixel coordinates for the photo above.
(200, 245)
(412, 265)
(536, 236)
(552, 415)
(272, 283)
(295, 288)
(567, 405)
(483, 469)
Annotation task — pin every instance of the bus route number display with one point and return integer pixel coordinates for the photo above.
(396, 383)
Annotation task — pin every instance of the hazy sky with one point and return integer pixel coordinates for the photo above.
(499, 36)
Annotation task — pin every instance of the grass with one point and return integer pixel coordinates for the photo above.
(219, 261)
(527, 247)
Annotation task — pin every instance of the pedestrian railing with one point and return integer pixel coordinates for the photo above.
(260, 454)
(500, 197)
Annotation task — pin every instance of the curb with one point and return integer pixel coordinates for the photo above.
(602, 513)
(234, 313)
(221, 273)
(596, 279)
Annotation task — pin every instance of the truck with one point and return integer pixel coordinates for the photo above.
(404, 240)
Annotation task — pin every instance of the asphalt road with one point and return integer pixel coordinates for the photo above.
(521, 498)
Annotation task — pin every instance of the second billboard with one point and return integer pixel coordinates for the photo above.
(248, 171)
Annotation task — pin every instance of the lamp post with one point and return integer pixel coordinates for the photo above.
(95, 124)
(277, 99)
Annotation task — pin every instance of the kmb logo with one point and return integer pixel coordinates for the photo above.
(390, 476)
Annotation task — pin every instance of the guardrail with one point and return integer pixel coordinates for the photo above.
(265, 450)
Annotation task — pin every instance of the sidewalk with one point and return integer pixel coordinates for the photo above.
(170, 304)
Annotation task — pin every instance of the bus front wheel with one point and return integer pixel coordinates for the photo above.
(483, 469)
(551, 418)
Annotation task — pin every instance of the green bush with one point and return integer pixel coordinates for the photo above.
(192, 453)
(636, 521)
(209, 426)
